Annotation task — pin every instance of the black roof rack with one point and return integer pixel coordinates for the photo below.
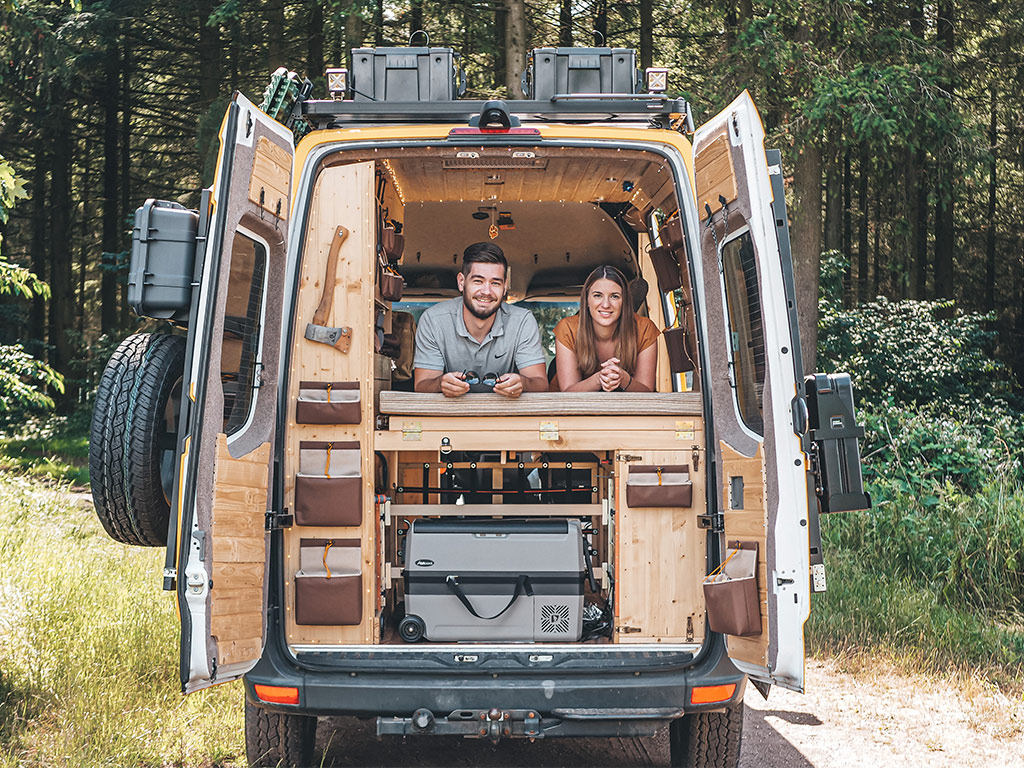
(655, 109)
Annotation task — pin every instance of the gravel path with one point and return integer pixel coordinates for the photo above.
(865, 718)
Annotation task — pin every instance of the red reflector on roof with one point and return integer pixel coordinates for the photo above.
(711, 694)
(481, 131)
(276, 694)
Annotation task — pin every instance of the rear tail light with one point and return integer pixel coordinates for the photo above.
(277, 694)
(712, 694)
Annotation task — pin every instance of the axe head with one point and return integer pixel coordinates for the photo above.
(339, 338)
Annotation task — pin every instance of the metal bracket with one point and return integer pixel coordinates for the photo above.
(276, 521)
(714, 523)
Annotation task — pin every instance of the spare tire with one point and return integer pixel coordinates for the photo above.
(133, 439)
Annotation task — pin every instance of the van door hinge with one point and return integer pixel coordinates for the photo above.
(276, 521)
(257, 376)
(714, 523)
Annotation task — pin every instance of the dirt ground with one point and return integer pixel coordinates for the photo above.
(847, 719)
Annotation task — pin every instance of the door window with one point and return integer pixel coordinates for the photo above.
(743, 310)
(242, 321)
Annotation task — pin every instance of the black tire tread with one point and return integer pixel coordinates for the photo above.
(123, 453)
(275, 740)
(707, 739)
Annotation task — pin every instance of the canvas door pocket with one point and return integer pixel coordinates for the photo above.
(671, 232)
(328, 403)
(329, 485)
(665, 485)
(390, 281)
(666, 267)
(392, 242)
(329, 583)
(677, 344)
(730, 592)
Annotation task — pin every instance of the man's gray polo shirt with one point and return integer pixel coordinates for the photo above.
(443, 343)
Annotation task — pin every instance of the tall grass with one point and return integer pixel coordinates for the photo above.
(934, 573)
(89, 658)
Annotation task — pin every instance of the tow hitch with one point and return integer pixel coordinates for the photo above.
(493, 724)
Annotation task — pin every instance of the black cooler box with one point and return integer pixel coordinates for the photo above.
(494, 580)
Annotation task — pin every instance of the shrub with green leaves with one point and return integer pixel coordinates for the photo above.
(907, 351)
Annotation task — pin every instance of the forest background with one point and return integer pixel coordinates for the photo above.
(902, 131)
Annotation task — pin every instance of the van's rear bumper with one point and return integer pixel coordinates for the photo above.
(597, 697)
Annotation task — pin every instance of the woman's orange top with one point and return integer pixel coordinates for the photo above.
(568, 328)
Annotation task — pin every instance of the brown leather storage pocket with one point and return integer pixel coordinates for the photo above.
(329, 485)
(390, 285)
(329, 583)
(730, 592)
(671, 232)
(666, 485)
(666, 267)
(322, 402)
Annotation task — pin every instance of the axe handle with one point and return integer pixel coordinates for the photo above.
(323, 310)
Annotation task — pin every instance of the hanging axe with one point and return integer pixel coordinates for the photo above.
(318, 330)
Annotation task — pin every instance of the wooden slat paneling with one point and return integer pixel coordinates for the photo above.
(238, 544)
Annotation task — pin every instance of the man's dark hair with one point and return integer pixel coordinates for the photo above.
(482, 253)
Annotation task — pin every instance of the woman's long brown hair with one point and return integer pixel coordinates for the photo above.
(626, 341)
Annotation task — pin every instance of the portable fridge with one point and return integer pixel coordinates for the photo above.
(494, 580)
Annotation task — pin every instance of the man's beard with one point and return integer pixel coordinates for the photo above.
(481, 315)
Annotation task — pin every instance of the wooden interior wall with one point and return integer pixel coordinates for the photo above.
(239, 552)
(661, 555)
(748, 524)
(342, 195)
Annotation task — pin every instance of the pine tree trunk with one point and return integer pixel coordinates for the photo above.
(416, 20)
(919, 227)
(37, 248)
(126, 178)
(601, 22)
(275, 31)
(646, 33)
(210, 52)
(110, 243)
(565, 23)
(805, 216)
(62, 294)
(500, 26)
(990, 223)
(847, 226)
(944, 203)
(515, 47)
(833, 193)
(862, 211)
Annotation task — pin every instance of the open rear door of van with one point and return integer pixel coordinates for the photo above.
(759, 465)
(230, 402)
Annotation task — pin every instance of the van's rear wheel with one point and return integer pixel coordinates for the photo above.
(707, 739)
(275, 739)
(132, 440)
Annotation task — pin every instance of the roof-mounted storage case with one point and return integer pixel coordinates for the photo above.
(405, 74)
(580, 70)
(163, 259)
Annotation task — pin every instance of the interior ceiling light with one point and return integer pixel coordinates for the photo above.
(493, 163)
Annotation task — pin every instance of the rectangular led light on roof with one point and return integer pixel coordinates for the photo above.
(460, 163)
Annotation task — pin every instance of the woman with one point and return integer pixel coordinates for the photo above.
(607, 346)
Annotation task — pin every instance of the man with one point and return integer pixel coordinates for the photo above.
(479, 332)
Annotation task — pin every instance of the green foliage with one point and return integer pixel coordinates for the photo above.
(23, 379)
(908, 352)
(90, 651)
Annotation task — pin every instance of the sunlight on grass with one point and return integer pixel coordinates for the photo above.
(90, 659)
